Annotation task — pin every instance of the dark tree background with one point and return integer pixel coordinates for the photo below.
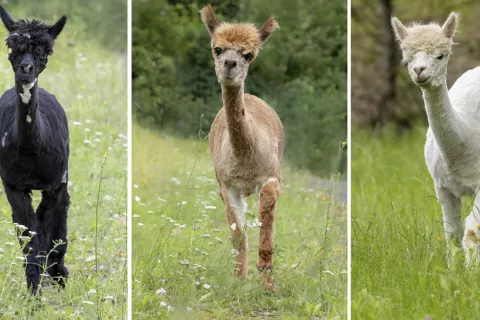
(382, 91)
(301, 71)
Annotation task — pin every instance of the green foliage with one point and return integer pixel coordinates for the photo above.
(300, 72)
(181, 236)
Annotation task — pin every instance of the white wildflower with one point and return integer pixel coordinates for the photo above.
(161, 291)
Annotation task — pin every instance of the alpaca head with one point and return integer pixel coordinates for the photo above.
(30, 44)
(234, 46)
(426, 49)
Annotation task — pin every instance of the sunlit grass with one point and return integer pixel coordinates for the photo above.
(182, 256)
(399, 268)
(90, 83)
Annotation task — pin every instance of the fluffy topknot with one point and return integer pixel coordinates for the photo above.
(241, 36)
(428, 38)
(25, 35)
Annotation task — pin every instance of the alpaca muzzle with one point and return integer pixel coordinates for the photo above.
(25, 73)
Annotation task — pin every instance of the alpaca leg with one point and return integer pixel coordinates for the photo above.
(56, 227)
(236, 207)
(451, 208)
(43, 214)
(22, 213)
(471, 237)
(269, 194)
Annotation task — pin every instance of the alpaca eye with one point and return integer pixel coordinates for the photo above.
(440, 57)
(218, 51)
(248, 56)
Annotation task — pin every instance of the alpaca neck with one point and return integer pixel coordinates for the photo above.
(27, 112)
(444, 122)
(240, 133)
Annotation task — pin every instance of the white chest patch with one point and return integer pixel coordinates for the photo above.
(26, 95)
(4, 138)
(29, 119)
(240, 206)
(64, 178)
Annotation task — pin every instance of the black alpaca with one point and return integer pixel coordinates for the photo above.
(34, 149)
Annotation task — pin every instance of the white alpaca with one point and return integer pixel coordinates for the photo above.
(452, 149)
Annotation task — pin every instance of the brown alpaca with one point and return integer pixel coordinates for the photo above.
(246, 139)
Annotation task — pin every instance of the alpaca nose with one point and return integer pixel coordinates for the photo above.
(230, 63)
(419, 70)
(26, 67)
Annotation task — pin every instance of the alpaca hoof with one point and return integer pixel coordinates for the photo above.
(261, 269)
(262, 266)
(34, 290)
(32, 272)
(266, 279)
(59, 275)
(33, 286)
(240, 273)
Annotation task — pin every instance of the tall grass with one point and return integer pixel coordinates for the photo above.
(90, 83)
(182, 256)
(399, 266)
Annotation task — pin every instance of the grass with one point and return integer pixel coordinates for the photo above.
(182, 256)
(90, 83)
(399, 266)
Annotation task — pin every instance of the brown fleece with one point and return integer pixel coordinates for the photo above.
(247, 141)
(269, 194)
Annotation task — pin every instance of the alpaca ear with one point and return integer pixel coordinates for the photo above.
(267, 29)
(450, 26)
(399, 29)
(57, 27)
(7, 20)
(209, 19)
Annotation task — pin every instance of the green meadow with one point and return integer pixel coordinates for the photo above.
(399, 264)
(182, 256)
